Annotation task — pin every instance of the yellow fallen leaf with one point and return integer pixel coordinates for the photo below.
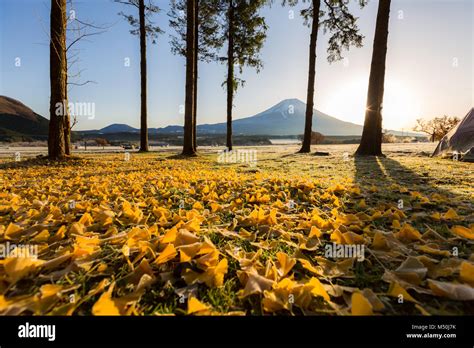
(86, 245)
(450, 215)
(17, 268)
(255, 284)
(60, 234)
(433, 250)
(41, 237)
(396, 290)
(215, 207)
(422, 310)
(314, 232)
(187, 252)
(170, 235)
(412, 270)
(105, 305)
(166, 255)
(463, 231)
(459, 292)
(360, 305)
(193, 225)
(196, 306)
(317, 289)
(377, 305)
(86, 220)
(408, 233)
(198, 206)
(12, 230)
(285, 263)
(184, 237)
(380, 241)
(396, 224)
(466, 273)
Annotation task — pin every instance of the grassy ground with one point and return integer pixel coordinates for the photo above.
(160, 234)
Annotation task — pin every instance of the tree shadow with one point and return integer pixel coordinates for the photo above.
(385, 171)
(41, 161)
(368, 170)
(180, 156)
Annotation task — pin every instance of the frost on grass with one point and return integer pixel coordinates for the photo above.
(156, 235)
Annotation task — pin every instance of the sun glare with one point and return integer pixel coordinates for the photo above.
(401, 107)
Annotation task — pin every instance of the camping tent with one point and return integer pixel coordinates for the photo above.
(459, 140)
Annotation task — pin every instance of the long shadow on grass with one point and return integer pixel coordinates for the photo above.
(382, 172)
(408, 178)
(368, 171)
(41, 162)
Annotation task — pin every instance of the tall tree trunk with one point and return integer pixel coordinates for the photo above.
(143, 73)
(67, 123)
(188, 148)
(58, 79)
(371, 142)
(230, 74)
(196, 62)
(308, 126)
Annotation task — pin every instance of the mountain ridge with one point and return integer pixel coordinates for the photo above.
(17, 119)
(284, 118)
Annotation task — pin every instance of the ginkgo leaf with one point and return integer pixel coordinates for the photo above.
(12, 231)
(315, 232)
(184, 237)
(170, 235)
(396, 290)
(196, 306)
(409, 233)
(380, 241)
(317, 289)
(285, 263)
(198, 206)
(376, 303)
(187, 252)
(193, 225)
(463, 231)
(255, 284)
(412, 270)
(86, 220)
(41, 237)
(360, 305)
(450, 215)
(166, 255)
(460, 292)
(105, 305)
(466, 273)
(17, 268)
(60, 234)
(433, 249)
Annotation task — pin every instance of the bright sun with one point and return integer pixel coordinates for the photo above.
(401, 107)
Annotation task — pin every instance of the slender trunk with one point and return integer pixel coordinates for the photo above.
(196, 62)
(308, 126)
(143, 72)
(188, 142)
(371, 142)
(230, 74)
(58, 71)
(67, 124)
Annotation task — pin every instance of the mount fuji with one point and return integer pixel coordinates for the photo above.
(285, 118)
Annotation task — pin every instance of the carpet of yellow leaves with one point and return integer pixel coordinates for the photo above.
(161, 235)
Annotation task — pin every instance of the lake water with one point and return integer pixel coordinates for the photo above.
(285, 141)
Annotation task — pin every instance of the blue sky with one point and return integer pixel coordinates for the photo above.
(429, 65)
